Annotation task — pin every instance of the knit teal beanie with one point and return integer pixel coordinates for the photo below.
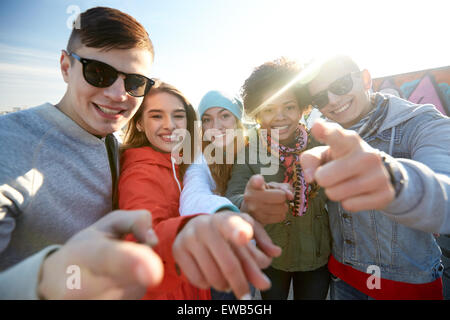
(216, 98)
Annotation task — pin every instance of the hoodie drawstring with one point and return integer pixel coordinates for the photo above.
(391, 143)
(175, 172)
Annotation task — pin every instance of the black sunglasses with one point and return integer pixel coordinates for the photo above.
(102, 75)
(340, 87)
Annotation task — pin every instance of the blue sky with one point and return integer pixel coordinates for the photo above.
(214, 44)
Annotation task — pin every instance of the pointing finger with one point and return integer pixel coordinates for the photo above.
(341, 141)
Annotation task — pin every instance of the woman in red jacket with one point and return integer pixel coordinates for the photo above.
(150, 179)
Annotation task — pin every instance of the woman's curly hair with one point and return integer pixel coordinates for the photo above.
(270, 77)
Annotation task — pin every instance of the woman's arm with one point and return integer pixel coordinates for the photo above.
(141, 187)
(198, 196)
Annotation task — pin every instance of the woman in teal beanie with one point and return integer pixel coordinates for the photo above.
(205, 182)
(219, 113)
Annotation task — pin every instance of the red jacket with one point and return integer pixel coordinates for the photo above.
(147, 181)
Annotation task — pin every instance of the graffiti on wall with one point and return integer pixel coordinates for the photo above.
(426, 86)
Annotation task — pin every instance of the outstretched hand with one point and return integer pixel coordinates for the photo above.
(266, 202)
(349, 170)
(109, 267)
(216, 251)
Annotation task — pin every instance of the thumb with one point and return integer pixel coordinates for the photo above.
(264, 242)
(122, 222)
(256, 182)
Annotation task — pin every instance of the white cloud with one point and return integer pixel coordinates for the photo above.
(8, 51)
(28, 70)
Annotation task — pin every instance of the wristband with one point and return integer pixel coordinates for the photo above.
(395, 175)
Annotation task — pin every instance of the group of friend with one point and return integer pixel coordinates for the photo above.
(145, 221)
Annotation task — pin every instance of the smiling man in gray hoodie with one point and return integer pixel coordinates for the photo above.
(386, 175)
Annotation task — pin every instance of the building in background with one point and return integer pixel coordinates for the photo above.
(426, 86)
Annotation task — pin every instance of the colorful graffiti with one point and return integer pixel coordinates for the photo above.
(426, 86)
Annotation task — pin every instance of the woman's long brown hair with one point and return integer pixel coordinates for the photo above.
(221, 173)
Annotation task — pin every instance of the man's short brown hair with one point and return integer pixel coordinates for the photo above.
(107, 28)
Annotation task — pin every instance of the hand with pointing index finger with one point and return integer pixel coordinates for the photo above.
(110, 268)
(349, 169)
(215, 251)
(266, 202)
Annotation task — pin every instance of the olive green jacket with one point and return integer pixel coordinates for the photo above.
(305, 240)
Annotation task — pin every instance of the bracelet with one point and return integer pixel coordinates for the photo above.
(395, 175)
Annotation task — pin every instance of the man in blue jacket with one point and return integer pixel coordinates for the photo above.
(386, 175)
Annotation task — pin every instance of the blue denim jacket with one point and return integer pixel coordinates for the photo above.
(400, 240)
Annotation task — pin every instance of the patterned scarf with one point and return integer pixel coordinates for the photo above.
(370, 124)
(290, 159)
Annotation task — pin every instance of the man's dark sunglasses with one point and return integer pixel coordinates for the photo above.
(339, 87)
(102, 75)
